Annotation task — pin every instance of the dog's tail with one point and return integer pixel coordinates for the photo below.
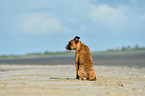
(88, 78)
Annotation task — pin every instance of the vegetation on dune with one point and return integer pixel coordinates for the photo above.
(136, 48)
(127, 48)
(47, 53)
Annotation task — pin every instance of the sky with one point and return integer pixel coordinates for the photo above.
(28, 26)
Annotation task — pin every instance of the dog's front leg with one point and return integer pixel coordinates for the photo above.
(77, 66)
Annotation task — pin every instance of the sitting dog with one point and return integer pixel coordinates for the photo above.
(83, 60)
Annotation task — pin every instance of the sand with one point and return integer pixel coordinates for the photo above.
(59, 80)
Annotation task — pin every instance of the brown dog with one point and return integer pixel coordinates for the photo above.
(83, 60)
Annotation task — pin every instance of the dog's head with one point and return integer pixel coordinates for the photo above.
(73, 44)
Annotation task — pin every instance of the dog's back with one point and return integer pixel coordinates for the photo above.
(86, 70)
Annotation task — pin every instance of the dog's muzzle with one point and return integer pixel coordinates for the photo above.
(68, 47)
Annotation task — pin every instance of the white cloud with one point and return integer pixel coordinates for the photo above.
(39, 23)
(106, 15)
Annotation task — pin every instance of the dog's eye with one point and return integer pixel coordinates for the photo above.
(70, 44)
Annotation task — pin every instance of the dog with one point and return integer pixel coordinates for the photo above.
(83, 60)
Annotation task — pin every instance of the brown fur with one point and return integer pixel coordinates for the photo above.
(83, 60)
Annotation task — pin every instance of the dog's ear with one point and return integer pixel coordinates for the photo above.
(76, 39)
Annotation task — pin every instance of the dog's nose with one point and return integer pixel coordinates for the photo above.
(66, 47)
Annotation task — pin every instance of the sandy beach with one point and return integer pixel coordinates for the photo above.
(59, 80)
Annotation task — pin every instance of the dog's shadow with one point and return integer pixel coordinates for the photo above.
(56, 78)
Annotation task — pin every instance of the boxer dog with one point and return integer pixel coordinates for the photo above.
(83, 60)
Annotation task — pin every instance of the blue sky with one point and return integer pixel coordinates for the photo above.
(47, 25)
